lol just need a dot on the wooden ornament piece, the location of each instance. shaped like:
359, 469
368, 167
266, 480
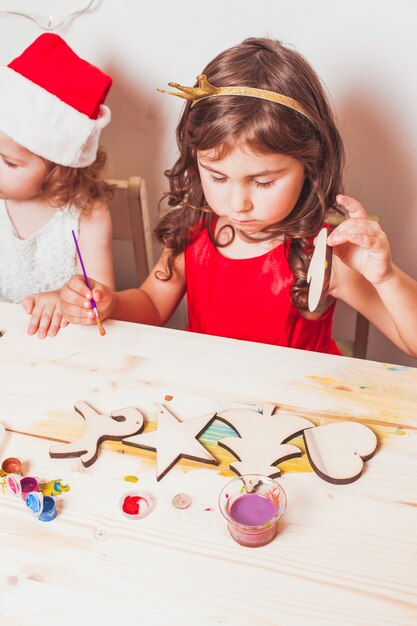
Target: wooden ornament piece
317, 270
99, 427
337, 451
173, 440
261, 443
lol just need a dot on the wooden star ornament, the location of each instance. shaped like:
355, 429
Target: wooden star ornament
174, 439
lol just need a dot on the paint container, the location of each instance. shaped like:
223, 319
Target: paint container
28, 484
13, 484
252, 505
136, 504
42, 507
19, 486
12, 465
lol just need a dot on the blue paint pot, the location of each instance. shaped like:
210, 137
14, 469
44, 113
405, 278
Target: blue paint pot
42, 507
49, 509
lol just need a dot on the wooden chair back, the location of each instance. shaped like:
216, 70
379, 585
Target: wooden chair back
356, 346
132, 240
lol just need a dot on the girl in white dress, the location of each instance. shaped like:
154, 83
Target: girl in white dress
51, 178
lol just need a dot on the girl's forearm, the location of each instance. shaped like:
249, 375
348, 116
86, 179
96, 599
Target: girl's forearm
399, 296
134, 305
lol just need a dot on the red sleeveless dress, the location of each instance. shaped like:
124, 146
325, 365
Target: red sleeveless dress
249, 299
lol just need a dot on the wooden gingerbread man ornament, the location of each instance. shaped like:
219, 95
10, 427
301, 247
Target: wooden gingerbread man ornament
99, 427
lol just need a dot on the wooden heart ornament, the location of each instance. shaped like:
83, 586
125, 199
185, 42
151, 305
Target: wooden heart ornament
337, 451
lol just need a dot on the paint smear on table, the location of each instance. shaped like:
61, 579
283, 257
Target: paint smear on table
386, 411
359, 398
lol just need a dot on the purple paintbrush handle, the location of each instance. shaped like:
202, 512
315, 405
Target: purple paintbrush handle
93, 304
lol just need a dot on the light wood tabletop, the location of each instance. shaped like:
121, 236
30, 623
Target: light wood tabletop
344, 554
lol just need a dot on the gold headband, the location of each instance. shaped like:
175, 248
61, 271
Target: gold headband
206, 90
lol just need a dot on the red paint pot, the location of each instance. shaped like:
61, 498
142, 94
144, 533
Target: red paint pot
135, 504
12, 465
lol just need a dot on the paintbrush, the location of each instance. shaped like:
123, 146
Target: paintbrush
93, 304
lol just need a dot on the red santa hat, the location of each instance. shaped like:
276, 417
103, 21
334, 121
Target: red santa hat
51, 102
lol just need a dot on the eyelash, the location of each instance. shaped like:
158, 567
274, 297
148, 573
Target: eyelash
8, 164
258, 185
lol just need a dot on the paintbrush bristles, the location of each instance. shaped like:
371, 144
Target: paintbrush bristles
100, 327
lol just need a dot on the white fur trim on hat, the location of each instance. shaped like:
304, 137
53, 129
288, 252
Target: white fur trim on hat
42, 123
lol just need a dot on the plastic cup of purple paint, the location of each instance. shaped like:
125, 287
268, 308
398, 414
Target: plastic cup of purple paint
252, 505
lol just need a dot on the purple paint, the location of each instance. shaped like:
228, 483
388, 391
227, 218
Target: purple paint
252, 510
252, 505
28, 484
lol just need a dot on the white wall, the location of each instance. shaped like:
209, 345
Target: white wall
364, 50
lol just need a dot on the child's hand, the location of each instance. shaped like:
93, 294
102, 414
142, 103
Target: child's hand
46, 313
361, 244
76, 300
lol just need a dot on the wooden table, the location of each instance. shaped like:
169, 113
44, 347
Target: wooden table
344, 555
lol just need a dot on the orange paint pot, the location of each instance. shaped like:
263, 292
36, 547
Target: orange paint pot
12, 465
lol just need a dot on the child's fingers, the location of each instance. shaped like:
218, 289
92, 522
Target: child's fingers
34, 321
74, 298
97, 294
77, 284
354, 207
363, 240
77, 314
28, 303
354, 226
44, 323
55, 324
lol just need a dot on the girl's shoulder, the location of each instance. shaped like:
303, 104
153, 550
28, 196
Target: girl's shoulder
97, 221
98, 212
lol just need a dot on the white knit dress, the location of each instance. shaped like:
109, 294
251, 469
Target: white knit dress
43, 262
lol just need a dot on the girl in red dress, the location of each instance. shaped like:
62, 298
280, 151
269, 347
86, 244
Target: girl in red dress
259, 168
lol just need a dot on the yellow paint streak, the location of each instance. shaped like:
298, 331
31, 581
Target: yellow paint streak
379, 405
147, 458
386, 410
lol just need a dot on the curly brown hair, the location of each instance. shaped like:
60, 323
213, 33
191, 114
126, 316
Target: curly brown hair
80, 186
220, 123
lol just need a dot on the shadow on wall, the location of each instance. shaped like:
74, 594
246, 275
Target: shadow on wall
136, 136
380, 173
137, 113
